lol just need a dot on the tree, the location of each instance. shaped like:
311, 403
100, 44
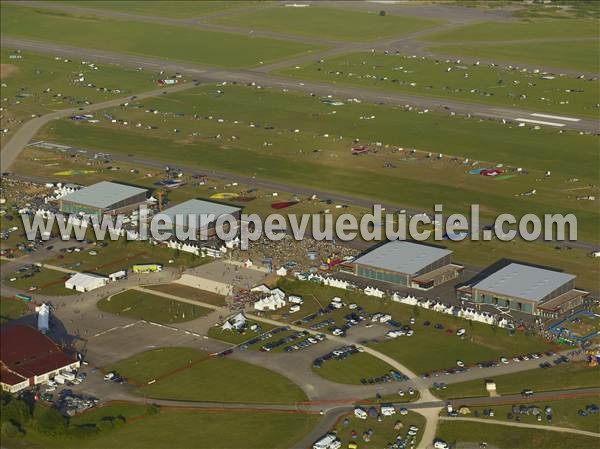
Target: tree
48, 420
15, 411
10, 430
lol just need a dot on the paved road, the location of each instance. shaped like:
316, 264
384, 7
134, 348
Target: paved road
211, 74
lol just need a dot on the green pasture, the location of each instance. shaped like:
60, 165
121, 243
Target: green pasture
167, 428
329, 23
458, 81
564, 413
509, 437
208, 137
209, 379
176, 43
565, 376
145, 306
515, 30
171, 8
575, 55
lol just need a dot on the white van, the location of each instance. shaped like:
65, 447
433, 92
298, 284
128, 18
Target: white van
388, 410
360, 413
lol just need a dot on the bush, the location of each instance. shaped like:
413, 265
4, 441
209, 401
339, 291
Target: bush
382, 13
48, 420
15, 411
83, 431
152, 409
9, 430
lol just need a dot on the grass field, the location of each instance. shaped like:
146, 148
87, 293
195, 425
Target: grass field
190, 375
506, 437
156, 363
144, 306
177, 43
352, 369
569, 376
190, 293
11, 309
45, 281
121, 254
478, 84
564, 413
384, 433
330, 23
482, 343
172, 8
36, 84
312, 157
181, 428
568, 54
519, 30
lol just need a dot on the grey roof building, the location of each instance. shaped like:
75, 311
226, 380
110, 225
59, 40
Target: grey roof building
528, 289
195, 214
103, 197
407, 264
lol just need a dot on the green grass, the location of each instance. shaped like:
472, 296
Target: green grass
568, 54
569, 376
182, 428
176, 43
144, 306
429, 77
292, 158
45, 281
172, 8
428, 349
122, 254
564, 413
11, 309
331, 23
352, 369
384, 433
506, 437
37, 84
155, 363
517, 30
212, 379
190, 293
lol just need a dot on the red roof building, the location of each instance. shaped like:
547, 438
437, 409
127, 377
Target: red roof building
28, 357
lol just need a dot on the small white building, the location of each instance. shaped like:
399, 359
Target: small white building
85, 282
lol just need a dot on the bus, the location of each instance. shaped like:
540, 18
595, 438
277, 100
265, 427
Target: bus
147, 268
22, 297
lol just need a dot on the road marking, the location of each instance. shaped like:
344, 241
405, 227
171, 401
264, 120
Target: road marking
556, 117
539, 122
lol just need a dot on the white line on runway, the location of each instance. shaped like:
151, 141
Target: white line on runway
556, 117
538, 122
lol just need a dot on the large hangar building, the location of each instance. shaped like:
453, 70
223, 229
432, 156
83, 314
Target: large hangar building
408, 264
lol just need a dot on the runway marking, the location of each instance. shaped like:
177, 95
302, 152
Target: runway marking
556, 117
539, 122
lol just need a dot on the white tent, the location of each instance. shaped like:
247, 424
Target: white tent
236, 322
85, 282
